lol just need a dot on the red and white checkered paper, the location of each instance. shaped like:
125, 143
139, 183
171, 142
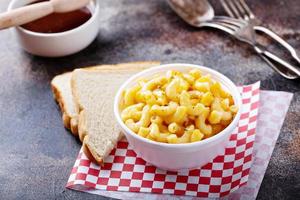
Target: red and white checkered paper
125, 171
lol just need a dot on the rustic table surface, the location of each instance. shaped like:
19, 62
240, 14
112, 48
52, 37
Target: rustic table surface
37, 153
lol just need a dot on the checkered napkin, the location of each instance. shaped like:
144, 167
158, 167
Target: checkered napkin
124, 171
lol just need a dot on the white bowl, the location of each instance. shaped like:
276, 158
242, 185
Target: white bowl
58, 44
177, 157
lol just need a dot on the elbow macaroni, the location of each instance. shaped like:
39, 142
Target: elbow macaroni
132, 112
178, 107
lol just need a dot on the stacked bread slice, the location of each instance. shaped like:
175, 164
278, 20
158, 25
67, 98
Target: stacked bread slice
86, 98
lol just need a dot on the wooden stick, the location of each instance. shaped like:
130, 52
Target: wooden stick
25, 14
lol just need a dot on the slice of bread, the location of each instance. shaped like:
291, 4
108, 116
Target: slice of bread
94, 92
61, 88
96, 117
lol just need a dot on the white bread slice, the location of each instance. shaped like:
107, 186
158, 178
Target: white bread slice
61, 87
93, 91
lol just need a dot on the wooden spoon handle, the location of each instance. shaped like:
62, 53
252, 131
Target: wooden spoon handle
25, 14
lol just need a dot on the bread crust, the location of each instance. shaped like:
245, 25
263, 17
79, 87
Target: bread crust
89, 155
82, 126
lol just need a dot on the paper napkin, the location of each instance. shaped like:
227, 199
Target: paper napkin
240, 165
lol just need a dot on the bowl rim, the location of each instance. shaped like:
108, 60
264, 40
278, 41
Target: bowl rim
79, 28
164, 67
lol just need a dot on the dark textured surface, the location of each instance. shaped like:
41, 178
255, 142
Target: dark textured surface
37, 153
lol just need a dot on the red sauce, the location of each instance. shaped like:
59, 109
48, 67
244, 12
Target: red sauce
59, 22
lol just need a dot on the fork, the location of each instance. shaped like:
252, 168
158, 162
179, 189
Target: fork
243, 31
240, 10
238, 28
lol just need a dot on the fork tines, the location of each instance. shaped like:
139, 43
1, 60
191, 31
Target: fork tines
237, 9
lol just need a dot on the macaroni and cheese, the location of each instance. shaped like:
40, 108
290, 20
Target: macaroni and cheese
177, 107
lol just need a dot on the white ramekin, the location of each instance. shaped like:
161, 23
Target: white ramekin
58, 44
177, 157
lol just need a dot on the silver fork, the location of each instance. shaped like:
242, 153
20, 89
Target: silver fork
240, 10
189, 11
243, 30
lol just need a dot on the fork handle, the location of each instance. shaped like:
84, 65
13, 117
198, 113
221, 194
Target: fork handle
278, 39
279, 65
